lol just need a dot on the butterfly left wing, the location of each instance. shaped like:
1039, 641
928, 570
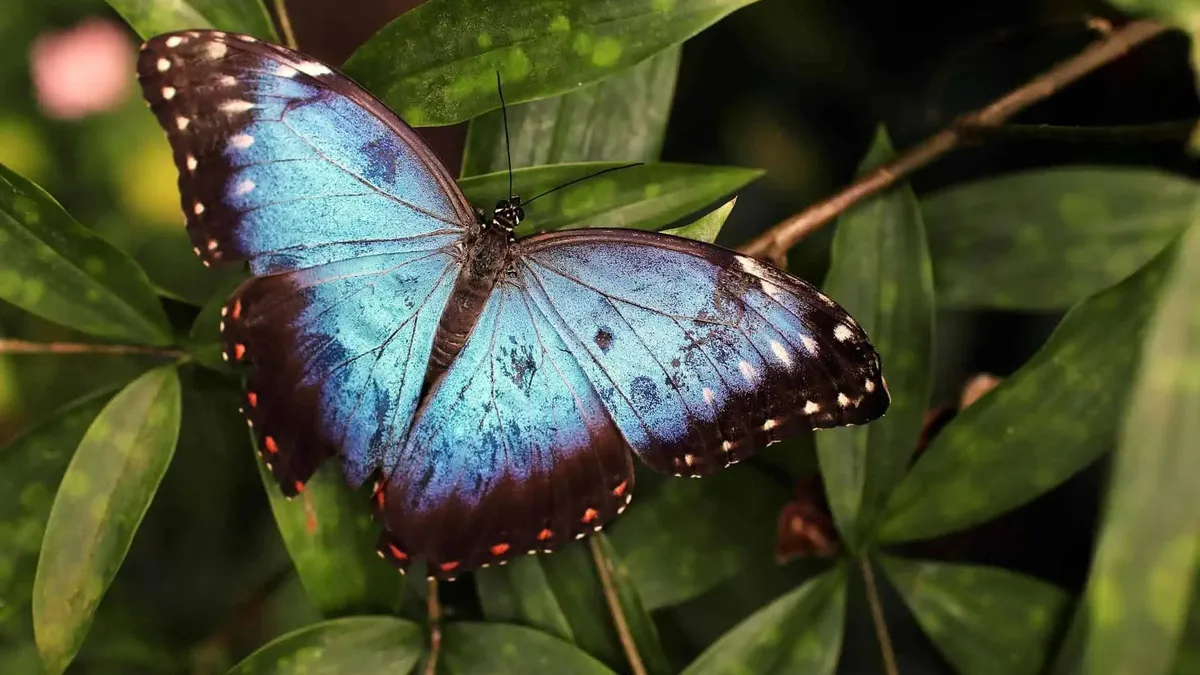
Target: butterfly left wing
512, 453
700, 355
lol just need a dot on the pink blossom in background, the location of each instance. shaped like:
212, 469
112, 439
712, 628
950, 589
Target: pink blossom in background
82, 70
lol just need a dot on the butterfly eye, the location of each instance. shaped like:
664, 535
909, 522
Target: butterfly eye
520, 214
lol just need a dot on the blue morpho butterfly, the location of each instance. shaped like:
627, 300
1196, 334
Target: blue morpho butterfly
493, 387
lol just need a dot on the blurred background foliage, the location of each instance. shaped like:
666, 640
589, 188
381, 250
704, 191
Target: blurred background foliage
796, 88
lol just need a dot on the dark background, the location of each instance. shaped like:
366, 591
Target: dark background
796, 87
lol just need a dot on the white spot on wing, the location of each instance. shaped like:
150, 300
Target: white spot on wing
212, 245
726, 446
809, 344
244, 187
163, 65
769, 425
842, 332
751, 266
285, 70
245, 38
235, 106
182, 123
747, 371
869, 386
811, 407
227, 80
781, 353
174, 41
689, 459
772, 290
216, 50
192, 163
198, 208
242, 141
313, 68
709, 396
843, 400
168, 93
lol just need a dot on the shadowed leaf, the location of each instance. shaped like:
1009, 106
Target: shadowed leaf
985, 620
497, 649
996, 455
1049, 238
881, 274
104, 494
55, 268
204, 340
362, 644
799, 634
152, 17
437, 63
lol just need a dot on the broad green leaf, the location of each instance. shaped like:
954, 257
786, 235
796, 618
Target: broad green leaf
690, 535
621, 119
1052, 418
331, 537
984, 620
498, 649
798, 634
361, 644
520, 593
153, 17
31, 468
1187, 661
437, 63
880, 272
637, 620
706, 227
204, 341
55, 268
645, 197
103, 496
1146, 557
1049, 238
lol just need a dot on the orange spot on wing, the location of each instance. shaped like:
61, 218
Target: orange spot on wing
620, 489
299, 486
589, 515
269, 442
397, 553
545, 534
499, 549
253, 399
237, 308
379, 498
239, 350
447, 566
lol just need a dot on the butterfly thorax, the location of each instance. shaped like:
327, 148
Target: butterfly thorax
486, 252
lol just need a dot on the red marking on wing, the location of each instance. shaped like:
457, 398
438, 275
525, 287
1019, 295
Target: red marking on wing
237, 308
545, 534
239, 350
447, 566
269, 442
253, 399
397, 553
620, 489
499, 549
589, 515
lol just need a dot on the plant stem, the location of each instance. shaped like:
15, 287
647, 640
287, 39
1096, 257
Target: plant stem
26, 347
434, 611
285, 24
881, 631
1174, 131
775, 242
614, 607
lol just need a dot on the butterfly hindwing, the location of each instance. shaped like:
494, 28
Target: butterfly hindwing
288, 164
700, 355
513, 452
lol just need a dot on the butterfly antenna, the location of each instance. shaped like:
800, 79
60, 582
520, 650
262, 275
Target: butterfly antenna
507, 144
580, 180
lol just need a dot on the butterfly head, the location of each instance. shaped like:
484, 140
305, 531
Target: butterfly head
508, 214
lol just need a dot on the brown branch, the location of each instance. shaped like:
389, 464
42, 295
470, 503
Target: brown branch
434, 611
774, 243
881, 630
26, 347
285, 24
614, 607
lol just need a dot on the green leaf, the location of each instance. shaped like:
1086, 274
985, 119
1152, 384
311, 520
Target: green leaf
638, 622
497, 649
1049, 238
31, 468
645, 197
363, 644
331, 537
1187, 661
707, 227
881, 274
104, 494
1052, 418
55, 268
1146, 558
984, 620
798, 634
204, 341
691, 535
437, 63
621, 119
520, 593
153, 17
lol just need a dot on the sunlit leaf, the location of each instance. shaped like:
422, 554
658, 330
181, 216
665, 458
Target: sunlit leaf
985, 620
798, 634
881, 274
54, 267
645, 197
152, 17
1048, 238
620, 119
707, 227
437, 63
103, 496
1141, 583
1052, 418
361, 644
498, 649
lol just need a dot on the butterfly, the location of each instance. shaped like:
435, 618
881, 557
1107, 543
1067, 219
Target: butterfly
494, 388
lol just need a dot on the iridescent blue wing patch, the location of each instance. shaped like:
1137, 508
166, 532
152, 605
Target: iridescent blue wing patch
513, 453
700, 355
288, 164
